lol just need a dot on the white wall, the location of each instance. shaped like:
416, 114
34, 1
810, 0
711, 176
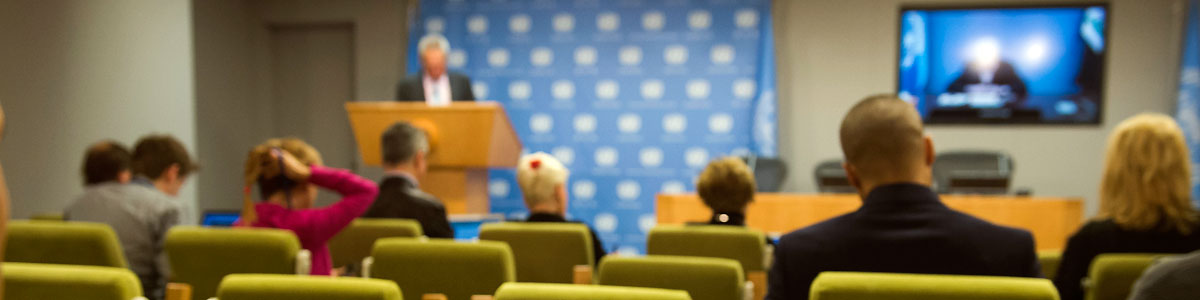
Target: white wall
234, 89
75, 72
833, 53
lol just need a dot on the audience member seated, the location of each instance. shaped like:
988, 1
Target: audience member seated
161, 162
727, 186
140, 214
543, 181
1173, 278
404, 150
1145, 201
902, 226
287, 173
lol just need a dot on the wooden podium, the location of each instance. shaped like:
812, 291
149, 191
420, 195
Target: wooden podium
465, 140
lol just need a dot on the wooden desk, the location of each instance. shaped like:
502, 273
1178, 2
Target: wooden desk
1052, 220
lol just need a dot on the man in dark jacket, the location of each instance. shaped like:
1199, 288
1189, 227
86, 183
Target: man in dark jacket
435, 85
902, 226
404, 148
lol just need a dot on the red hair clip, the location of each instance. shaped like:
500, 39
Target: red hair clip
535, 164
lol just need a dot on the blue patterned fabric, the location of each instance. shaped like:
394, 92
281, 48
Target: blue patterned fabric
634, 96
1188, 113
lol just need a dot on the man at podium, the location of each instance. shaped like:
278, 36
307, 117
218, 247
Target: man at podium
434, 84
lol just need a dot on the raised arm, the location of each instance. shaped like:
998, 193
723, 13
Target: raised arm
357, 195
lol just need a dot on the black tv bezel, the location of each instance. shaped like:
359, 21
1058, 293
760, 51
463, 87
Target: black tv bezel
1101, 105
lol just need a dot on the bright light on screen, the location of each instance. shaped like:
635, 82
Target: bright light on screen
1004, 64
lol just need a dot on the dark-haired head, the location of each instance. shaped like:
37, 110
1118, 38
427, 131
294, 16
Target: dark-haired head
106, 161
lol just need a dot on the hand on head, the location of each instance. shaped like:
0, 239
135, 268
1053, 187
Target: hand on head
292, 167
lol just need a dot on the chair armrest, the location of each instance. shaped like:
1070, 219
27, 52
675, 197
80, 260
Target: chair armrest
303, 262
367, 263
433, 297
759, 287
179, 291
748, 290
583, 274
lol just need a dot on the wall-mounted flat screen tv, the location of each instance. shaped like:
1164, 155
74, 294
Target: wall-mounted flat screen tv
1004, 65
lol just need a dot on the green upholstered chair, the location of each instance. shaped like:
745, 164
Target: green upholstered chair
1111, 276
56, 216
50, 281
297, 287
892, 286
544, 252
354, 243
71, 243
744, 245
1049, 259
201, 256
702, 277
554, 291
439, 266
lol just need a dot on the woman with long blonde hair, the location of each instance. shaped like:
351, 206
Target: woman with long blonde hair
287, 173
1145, 200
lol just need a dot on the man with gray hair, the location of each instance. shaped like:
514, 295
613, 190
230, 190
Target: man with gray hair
434, 84
404, 160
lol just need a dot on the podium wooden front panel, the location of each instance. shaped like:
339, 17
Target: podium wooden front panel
1051, 220
465, 140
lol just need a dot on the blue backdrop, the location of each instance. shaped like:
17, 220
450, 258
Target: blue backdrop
634, 96
1188, 112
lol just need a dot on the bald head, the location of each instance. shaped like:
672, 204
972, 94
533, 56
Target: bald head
884, 141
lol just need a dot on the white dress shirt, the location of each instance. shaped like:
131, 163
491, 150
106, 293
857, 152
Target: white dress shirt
437, 91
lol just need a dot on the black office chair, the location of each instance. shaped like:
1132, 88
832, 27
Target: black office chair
973, 172
769, 172
831, 178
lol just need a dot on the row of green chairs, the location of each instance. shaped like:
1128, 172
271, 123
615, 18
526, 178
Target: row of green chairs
539, 252
271, 287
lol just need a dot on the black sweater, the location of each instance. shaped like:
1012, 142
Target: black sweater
1104, 236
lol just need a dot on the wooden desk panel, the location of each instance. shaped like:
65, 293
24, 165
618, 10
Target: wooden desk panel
1052, 220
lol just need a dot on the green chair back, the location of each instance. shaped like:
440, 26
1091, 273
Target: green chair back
704, 278
70, 243
893, 286
1049, 259
354, 243
201, 256
544, 252
47, 281
1111, 276
300, 287
737, 243
58, 216
553, 291
437, 266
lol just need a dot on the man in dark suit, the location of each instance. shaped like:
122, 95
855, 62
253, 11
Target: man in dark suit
404, 148
434, 84
902, 226
998, 73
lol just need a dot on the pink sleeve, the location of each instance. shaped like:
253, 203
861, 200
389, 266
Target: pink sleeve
357, 195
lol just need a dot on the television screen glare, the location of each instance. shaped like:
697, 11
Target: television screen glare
1007, 65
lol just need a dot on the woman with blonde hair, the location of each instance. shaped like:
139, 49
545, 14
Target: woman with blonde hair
1145, 200
287, 173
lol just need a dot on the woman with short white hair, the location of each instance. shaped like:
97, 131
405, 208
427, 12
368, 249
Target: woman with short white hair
543, 181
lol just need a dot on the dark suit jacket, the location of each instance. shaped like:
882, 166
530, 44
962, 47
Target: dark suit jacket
900, 228
399, 197
1005, 75
597, 248
1105, 236
412, 88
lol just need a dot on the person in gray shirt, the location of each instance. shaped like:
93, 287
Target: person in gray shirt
139, 213
1170, 278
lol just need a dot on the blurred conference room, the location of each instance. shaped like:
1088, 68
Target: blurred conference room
586, 149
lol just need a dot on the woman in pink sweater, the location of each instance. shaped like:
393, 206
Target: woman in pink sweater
287, 173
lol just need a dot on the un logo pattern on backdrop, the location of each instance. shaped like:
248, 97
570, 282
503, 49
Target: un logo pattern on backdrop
635, 97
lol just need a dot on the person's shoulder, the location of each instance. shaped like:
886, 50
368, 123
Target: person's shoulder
987, 230
816, 233
458, 76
